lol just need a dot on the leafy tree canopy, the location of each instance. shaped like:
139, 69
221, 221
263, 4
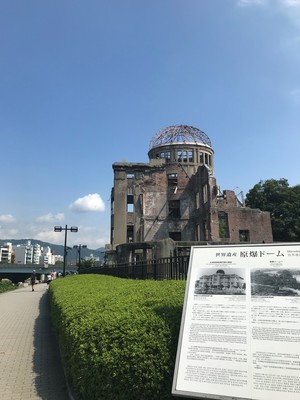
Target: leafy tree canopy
87, 263
283, 202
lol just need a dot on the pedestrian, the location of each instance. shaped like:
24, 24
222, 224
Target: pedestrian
48, 279
32, 280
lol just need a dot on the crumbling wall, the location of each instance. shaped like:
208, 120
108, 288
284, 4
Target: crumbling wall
253, 223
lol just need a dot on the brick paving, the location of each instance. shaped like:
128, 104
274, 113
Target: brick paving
30, 365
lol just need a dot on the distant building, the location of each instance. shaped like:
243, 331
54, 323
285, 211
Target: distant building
23, 253
57, 258
47, 258
37, 253
95, 260
6, 253
26, 253
163, 207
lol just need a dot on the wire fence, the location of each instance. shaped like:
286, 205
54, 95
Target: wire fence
175, 268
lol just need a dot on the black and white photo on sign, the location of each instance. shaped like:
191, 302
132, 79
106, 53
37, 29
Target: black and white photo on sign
220, 281
275, 282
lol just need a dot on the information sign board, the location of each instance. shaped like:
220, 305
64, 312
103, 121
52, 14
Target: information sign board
240, 328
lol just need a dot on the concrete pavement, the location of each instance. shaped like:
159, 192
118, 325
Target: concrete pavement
30, 365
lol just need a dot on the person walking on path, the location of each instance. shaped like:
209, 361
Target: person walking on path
30, 362
49, 279
32, 280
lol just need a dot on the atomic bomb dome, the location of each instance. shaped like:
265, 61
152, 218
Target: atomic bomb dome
162, 207
180, 134
185, 145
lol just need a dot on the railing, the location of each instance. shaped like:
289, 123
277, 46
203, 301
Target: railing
164, 268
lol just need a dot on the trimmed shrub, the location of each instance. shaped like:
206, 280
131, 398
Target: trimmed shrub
118, 337
6, 285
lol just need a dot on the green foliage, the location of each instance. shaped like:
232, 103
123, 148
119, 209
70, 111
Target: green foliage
283, 202
85, 264
223, 228
118, 337
6, 285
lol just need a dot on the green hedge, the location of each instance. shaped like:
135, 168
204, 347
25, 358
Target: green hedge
118, 337
6, 285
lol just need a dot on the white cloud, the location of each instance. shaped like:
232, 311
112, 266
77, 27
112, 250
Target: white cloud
295, 96
92, 237
289, 3
288, 8
50, 236
8, 233
7, 218
88, 203
245, 3
51, 217
295, 92
292, 9
282, 3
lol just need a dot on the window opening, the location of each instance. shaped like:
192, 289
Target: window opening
175, 236
223, 225
130, 208
244, 235
197, 200
174, 208
172, 179
205, 193
197, 232
129, 233
166, 155
204, 229
130, 205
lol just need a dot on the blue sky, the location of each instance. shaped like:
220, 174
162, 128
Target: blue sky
85, 84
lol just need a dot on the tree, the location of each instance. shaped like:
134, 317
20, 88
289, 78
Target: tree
283, 202
87, 263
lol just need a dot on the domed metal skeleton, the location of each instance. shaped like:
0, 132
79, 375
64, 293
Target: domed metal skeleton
180, 134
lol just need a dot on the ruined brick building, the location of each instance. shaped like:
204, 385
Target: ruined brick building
163, 207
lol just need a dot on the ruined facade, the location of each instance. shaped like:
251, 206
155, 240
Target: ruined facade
220, 280
163, 207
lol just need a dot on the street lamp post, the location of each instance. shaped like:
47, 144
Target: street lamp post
79, 247
66, 229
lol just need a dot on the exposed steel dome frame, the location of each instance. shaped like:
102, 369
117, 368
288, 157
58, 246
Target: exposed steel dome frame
180, 134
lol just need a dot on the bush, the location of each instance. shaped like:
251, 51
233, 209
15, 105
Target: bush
118, 337
6, 285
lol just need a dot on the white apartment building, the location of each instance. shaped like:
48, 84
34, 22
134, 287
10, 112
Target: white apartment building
28, 254
37, 253
47, 258
32, 254
23, 253
57, 258
6, 252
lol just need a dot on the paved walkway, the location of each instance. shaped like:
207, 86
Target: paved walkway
30, 366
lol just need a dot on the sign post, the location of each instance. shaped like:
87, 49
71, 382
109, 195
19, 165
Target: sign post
240, 328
